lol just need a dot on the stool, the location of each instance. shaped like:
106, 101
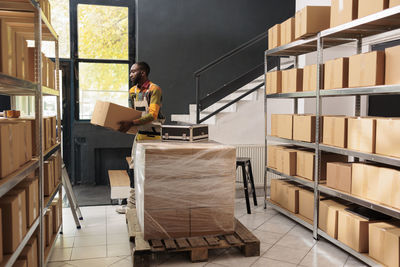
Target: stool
247, 177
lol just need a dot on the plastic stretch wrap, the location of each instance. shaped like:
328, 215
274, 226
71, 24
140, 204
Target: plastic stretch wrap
184, 189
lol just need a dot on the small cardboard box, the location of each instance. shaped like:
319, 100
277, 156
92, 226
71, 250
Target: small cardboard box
310, 78
13, 208
286, 161
353, 231
166, 223
338, 176
56, 215
47, 132
367, 69
48, 182
53, 130
336, 73
30, 253
393, 3
272, 156
365, 180
384, 243
212, 221
12, 153
30, 71
45, 75
275, 190
109, 115
304, 127
343, 11
21, 56
291, 199
274, 36
287, 31
306, 204
48, 231
8, 59
31, 188
392, 57
282, 125
335, 131
51, 73
387, 137
368, 7
387, 190
311, 20
292, 80
361, 134
274, 82
328, 216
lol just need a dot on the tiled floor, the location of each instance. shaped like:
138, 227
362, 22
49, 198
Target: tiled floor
103, 241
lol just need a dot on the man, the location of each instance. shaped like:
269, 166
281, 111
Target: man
146, 97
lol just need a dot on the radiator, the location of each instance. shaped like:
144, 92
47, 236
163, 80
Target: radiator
256, 153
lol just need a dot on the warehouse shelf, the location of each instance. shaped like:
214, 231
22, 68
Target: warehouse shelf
8, 182
296, 179
298, 218
50, 92
9, 259
15, 86
371, 90
309, 94
47, 200
291, 142
49, 152
361, 256
50, 248
360, 201
367, 156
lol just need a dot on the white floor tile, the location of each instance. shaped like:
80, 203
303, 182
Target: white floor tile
292, 241
61, 254
264, 247
325, 254
113, 239
118, 250
64, 242
254, 220
59, 264
234, 258
265, 262
89, 252
91, 230
267, 237
353, 262
99, 262
89, 241
280, 228
122, 263
290, 255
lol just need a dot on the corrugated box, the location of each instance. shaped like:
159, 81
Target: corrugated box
304, 127
328, 216
109, 115
272, 155
291, 198
56, 215
335, 131
212, 221
384, 243
8, 59
166, 223
368, 7
343, 11
30, 253
336, 73
393, 3
392, 58
387, 137
276, 193
47, 133
48, 181
48, 231
365, 180
292, 80
21, 55
310, 78
353, 231
367, 69
287, 31
286, 161
13, 208
282, 125
45, 75
31, 188
306, 204
51, 73
274, 36
339, 176
311, 20
361, 134
387, 190
30, 51
53, 130
274, 82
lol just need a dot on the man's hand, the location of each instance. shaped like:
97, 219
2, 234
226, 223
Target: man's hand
125, 126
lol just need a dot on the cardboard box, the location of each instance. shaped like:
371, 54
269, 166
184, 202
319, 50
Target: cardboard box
384, 243
166, 223
13, 208
53, 130
212, 221
51, 73
328, 216
119, 184
11, 142
367, 69
292, 80
55, 207
365, 180
287, 31
310, 78
335, 131
20, 263
47, 133
387, 190
311, 20
275, 190
387, 138
392, 57
306, 204
30, 72
286, 161
361, 134
304, 127
272, 155
8, 59
339, 176
48, 182
282, 125
45, 81
31, 188
393, 3
109, 115
48, 231
274, 36
290, 196
353, 231
343, 11
30, 253
336, 73
368, 7
21, 56
274, 82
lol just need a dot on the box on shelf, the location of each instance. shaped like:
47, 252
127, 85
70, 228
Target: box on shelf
384, 243
338, 176
8, 59
361, 134
109, 115
287, 31
56, 215
286, 161
51, 73
311, 20
292, 80
31, 188
285, 194
387, 138
389, 182
306, 204
328, 216
30, 253
53, 130
11, 141
368, 7
48, 227
367, 69
274, 82
335, 131
48, 181
21, 56
343, 11
282, 125
274, 36
393, 3
336, 73
13, 208
304, 127
392, 57
45, 75
310, 78
30, 71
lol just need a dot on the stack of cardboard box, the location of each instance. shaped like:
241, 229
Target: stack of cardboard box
186, 189
52, 173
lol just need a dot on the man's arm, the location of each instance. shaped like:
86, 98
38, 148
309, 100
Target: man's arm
154, 108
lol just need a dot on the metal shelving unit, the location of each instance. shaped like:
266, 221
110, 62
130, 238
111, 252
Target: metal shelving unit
11, 86
296, 179
379, 26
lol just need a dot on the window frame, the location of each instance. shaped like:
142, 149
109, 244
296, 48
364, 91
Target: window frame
75, 60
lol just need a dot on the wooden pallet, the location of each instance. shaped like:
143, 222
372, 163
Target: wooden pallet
198, 247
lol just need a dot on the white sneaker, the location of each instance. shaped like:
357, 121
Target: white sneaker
121, 209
